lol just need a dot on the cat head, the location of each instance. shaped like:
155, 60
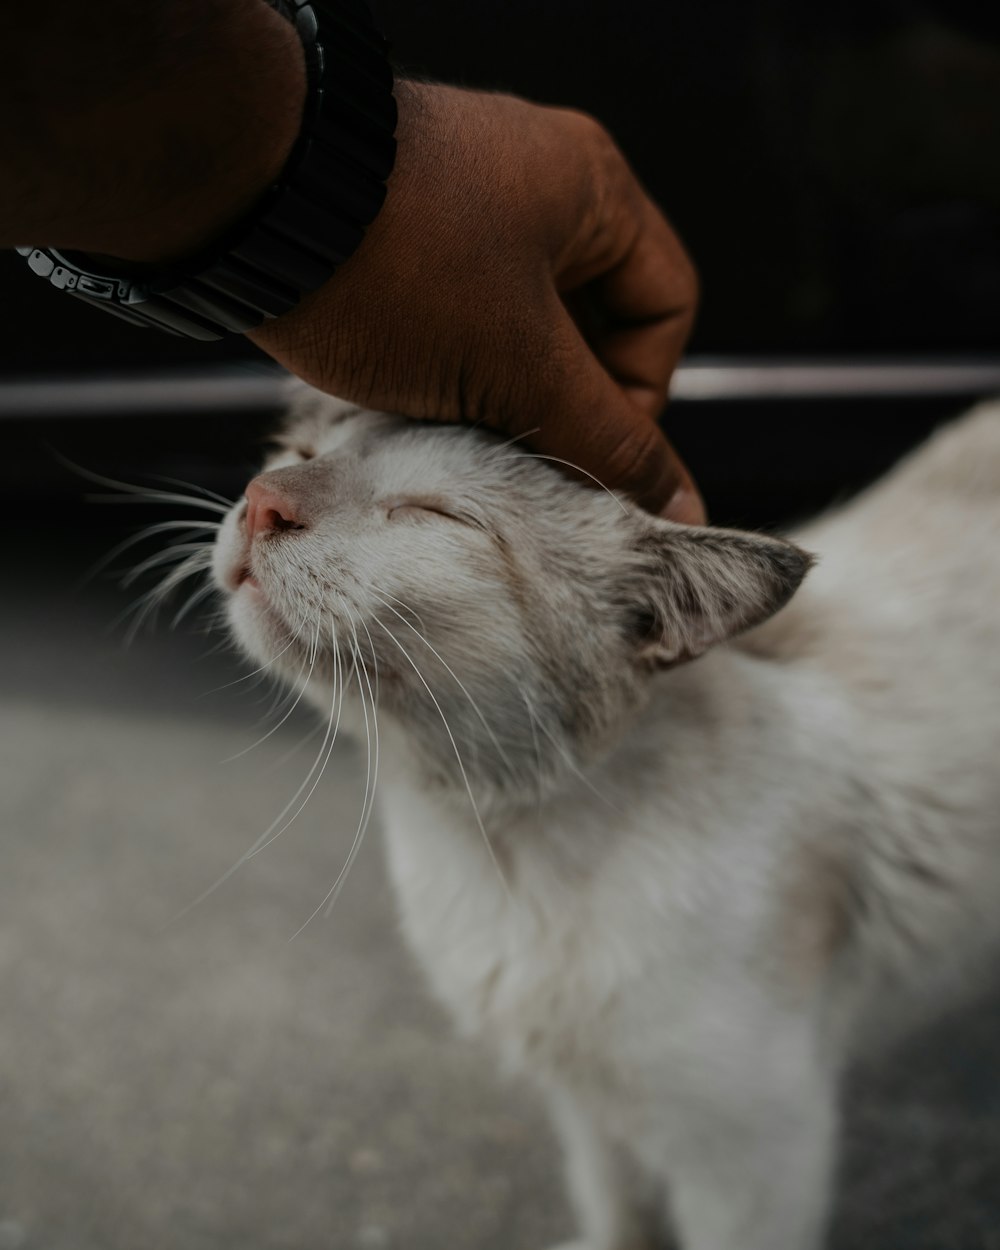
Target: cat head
497, 610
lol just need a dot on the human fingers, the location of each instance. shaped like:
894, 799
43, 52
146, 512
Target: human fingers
582, 418
647, 304
637, 312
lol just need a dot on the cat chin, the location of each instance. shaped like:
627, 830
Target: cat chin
257, 627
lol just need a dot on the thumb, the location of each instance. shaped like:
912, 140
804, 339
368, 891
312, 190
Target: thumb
583, 418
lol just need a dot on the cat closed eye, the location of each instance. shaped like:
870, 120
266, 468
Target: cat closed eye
279, 447
402, 508
282, 456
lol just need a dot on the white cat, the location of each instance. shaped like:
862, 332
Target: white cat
680, 896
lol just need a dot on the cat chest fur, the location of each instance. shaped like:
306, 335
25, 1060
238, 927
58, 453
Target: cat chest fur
591, 978
520, 964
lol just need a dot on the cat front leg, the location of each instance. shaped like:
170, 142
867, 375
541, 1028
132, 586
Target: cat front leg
749, 1163
615, 1209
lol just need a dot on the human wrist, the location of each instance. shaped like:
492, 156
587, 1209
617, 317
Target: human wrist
236, 133
306, 219
155, 169
430, 145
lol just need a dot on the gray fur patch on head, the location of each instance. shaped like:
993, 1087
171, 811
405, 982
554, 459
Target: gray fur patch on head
310, 414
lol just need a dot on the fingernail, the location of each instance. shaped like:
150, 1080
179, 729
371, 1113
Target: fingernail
685, 505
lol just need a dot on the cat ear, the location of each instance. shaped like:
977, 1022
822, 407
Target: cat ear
698, 586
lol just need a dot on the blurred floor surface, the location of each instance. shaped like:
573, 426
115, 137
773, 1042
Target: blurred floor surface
207, 1084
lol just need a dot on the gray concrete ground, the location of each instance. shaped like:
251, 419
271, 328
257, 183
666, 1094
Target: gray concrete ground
209, 1084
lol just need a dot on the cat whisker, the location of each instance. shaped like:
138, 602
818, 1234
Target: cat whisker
302, 689
202, 490
536, 455
221, 644
149, 531
405, 606
454, 747
146, 605
284, 691
368, 804
533, 725
196, 561
191, 602
501, 447
338, 674
131, 492
329, 742
254, 672
567, 758
371, 778
281, 695
315, 648
261, 676
164, 556
458, 681
276, 827
159, 497
293, 750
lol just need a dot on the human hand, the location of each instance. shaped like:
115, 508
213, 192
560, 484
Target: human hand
519, 276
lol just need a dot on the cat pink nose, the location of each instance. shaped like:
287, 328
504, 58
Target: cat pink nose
268, 509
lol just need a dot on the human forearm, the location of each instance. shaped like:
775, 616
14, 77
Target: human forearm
140, 130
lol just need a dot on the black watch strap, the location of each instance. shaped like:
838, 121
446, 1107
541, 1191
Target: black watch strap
304, 226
